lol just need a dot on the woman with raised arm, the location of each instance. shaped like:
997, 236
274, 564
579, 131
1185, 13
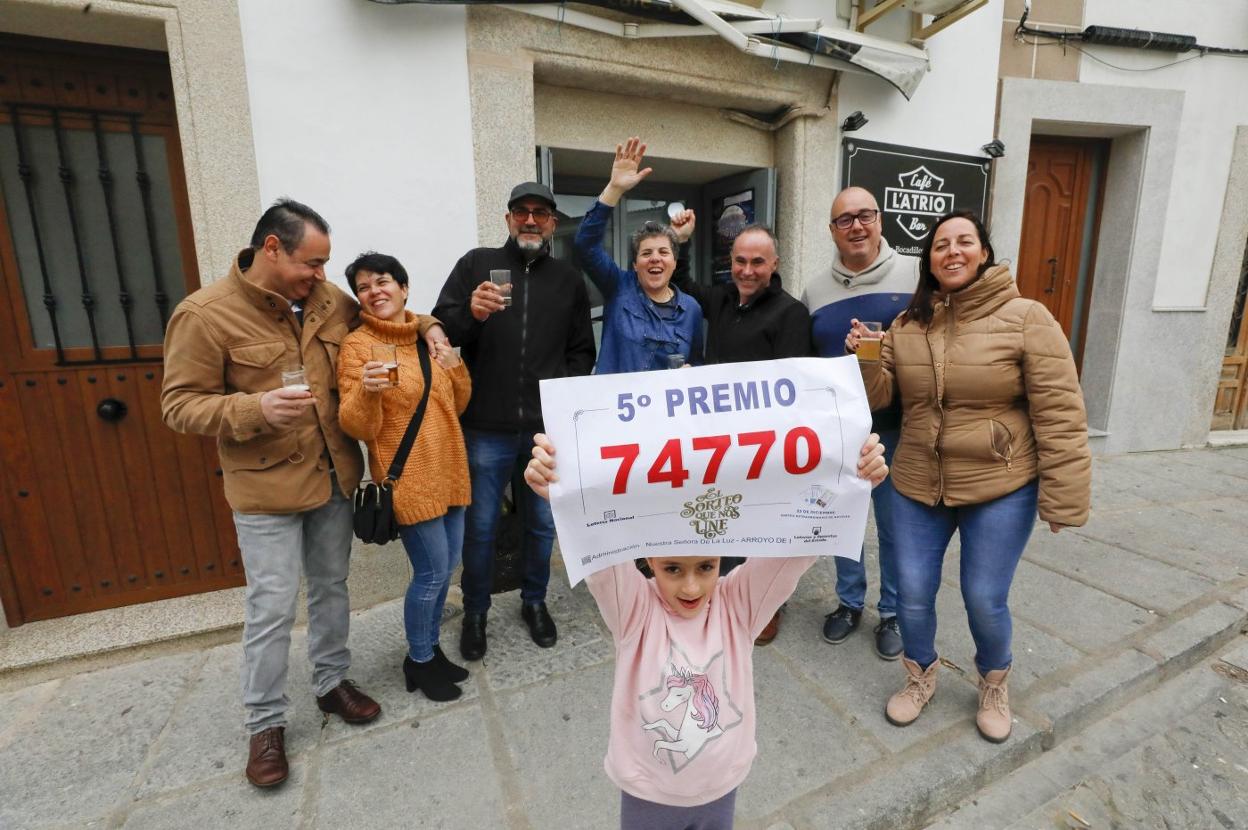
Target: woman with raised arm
647, 320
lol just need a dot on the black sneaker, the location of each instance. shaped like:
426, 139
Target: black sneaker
888, 639
842, 622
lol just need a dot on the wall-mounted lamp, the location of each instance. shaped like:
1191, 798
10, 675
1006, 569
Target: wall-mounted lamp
994, 149
855, 121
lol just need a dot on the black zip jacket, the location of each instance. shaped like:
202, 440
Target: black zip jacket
773, 325
545, 333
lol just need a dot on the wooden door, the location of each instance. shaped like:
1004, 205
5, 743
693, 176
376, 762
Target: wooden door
1230, 404
1060, 216
102, 505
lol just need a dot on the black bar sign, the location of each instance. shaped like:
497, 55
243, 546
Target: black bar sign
914, 186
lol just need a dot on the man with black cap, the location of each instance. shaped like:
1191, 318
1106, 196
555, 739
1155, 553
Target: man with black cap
544, 331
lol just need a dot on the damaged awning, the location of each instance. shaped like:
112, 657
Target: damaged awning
756, 32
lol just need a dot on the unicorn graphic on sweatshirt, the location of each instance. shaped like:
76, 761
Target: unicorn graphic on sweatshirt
701, 720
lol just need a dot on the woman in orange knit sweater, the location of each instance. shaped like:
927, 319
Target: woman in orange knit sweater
430, 495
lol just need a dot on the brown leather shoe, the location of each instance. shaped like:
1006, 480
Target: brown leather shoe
266, 758
349, 703
770, 631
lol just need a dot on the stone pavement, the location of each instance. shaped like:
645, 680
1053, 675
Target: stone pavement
1176, 757
1104, 616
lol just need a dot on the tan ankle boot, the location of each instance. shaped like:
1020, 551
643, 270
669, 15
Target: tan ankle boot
904, 707
993, 719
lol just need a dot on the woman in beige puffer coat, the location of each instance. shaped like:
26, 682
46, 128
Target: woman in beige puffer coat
993, 429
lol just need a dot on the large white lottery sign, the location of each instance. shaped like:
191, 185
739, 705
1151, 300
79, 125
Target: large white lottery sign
740, 459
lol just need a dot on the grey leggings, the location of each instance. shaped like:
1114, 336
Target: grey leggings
637, 814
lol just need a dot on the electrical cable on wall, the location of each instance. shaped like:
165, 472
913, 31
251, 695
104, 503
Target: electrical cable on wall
1124, 38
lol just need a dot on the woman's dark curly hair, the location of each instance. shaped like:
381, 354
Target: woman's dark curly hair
920, 308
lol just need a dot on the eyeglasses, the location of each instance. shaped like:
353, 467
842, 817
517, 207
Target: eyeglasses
865, 217
541, 215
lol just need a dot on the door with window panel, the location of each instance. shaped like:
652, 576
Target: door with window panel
102, 505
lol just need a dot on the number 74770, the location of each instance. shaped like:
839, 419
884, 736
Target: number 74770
669, 464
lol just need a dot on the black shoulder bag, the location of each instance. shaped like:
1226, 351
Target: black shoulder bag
375, 522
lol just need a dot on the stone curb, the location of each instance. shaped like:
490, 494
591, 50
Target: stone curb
1092, 694
968, 763
910, 791
1181, 645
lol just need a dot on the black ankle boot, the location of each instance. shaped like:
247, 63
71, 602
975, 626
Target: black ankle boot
427, 678
472, 637
452, 672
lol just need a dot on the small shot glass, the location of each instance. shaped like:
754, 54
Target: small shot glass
501, 277
675, 361
387, 354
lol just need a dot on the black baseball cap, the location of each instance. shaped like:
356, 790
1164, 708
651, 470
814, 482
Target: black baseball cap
535, 190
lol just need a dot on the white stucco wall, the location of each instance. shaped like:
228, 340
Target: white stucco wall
954, 109
1214, 106
361, 110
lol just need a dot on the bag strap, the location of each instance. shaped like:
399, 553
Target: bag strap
409, 437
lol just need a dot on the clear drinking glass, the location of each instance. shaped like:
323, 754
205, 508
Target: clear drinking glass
502, 278
387, 354
869, 345
294, 378
675, 361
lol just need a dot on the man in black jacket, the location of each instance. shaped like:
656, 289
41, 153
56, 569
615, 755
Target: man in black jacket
543, 332
751, 318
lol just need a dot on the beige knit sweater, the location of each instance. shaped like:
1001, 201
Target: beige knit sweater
436, 474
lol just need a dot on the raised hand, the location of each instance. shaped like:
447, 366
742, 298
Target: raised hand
626, 171
683, 223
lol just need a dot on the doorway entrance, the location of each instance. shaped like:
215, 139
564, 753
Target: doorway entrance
1061, 219
102, 505
1230, 404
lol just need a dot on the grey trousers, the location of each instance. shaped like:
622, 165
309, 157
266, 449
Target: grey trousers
638, 814
276, 550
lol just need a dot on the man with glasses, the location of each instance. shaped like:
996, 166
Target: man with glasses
544, 332
868, 281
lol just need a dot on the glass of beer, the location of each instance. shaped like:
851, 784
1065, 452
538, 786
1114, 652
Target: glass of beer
387, 354
869, 344
294, 378
501, 277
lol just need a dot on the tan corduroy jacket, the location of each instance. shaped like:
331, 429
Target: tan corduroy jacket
435, 476
225, 346
990, 400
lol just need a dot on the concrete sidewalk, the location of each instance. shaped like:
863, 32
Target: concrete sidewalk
1157, 581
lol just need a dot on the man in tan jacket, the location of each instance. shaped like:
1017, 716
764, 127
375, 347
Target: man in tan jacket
289, 469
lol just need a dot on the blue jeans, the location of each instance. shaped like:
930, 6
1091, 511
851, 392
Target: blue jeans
993, 536
434, 548
851, 576
493, 458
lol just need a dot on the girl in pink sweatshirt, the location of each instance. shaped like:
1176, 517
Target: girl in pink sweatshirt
682, 706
